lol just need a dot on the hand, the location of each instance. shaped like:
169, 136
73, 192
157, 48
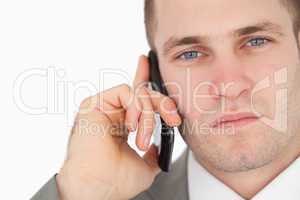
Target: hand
100, 164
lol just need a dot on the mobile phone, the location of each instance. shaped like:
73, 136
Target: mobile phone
167, 132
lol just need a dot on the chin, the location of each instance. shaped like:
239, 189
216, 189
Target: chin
247, 149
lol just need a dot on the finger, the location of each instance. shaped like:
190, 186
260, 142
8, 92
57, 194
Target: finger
146, 122
111, 105
115, 101
161, 103
142, 72
166, 107
133, 113
141, 77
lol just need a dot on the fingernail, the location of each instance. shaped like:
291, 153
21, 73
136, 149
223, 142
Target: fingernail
177, 119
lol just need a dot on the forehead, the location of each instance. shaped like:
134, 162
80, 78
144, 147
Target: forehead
215, 18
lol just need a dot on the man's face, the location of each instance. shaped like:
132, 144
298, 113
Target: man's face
224, 50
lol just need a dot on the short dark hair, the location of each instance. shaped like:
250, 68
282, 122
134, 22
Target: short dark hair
150, 20
293, 7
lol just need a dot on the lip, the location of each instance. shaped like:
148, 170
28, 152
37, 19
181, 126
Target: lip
237, 119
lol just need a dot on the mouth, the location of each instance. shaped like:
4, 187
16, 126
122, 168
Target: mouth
235, 120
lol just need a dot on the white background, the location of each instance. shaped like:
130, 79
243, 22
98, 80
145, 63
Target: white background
74, 39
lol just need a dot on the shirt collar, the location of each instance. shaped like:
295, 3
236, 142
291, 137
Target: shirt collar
202, 185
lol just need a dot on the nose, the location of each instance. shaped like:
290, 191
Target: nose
231, 81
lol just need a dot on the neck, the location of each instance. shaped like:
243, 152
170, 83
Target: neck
249, 183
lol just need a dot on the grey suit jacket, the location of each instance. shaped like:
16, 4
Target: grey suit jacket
166, 186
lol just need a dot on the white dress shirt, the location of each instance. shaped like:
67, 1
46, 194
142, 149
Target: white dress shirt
204, 186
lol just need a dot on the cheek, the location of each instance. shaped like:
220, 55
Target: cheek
272, 62
264, 101
191, 91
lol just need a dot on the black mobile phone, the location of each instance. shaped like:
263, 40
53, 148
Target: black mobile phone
167, 132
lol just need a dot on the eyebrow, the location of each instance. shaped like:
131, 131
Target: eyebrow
259, 27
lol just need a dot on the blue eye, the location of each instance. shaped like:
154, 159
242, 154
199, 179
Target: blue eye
189, 55
257, 42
